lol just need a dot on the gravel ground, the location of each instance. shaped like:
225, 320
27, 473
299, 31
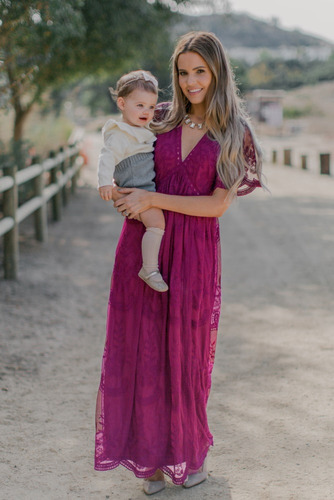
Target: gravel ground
271, 404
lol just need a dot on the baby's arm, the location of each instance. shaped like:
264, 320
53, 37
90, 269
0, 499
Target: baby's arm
106, 165
106, 193
111, 192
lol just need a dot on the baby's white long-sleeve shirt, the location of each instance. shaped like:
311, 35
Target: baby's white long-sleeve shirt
121, 140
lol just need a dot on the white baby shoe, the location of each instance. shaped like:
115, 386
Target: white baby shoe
154, 280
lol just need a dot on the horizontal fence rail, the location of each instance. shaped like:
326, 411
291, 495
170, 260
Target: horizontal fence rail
53, 180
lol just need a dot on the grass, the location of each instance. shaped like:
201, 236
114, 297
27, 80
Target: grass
42, 133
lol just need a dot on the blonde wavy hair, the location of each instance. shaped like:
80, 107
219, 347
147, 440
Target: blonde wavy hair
225, 117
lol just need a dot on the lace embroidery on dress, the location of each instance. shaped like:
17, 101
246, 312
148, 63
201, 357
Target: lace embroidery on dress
215, 311
251, 180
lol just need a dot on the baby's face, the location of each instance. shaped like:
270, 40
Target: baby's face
138, 107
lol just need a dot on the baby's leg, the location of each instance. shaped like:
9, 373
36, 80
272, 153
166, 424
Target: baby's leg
154, 221
153, 217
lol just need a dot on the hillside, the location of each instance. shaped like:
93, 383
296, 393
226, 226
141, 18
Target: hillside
253, 36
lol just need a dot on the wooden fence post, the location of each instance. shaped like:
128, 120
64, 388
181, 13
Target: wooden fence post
74, 180
63, 168
274, 157
325, 164
304, 162
56, 200
287, 157
40, 215
11, 238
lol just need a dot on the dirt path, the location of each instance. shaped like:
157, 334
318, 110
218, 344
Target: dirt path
271, 405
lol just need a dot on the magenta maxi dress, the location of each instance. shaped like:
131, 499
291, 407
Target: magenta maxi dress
160, 347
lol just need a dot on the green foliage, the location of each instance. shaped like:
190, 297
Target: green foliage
39, 40
121, 30
324, 71
47, 43
279, 74
240, 70
293, 112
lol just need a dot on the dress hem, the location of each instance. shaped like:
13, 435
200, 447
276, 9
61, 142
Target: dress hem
129, 464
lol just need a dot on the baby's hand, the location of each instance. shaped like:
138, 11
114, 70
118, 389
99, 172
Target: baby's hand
106, 192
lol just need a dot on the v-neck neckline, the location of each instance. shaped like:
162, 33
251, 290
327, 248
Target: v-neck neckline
183, 160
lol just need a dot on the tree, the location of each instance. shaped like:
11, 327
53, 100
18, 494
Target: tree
44, 43
38, 40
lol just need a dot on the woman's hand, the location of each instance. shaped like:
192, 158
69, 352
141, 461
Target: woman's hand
116, 195
135, 201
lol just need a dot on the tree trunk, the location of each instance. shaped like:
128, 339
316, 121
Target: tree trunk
18, 148
21, 112
19, 122
21, 115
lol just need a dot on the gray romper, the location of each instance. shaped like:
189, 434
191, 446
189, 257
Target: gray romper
136, 171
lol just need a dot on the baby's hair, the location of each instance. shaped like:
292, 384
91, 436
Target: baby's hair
139, 79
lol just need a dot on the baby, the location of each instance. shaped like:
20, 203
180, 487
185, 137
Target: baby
127, 158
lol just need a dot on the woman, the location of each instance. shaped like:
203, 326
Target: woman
159, 352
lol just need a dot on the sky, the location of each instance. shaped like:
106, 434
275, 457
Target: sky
314, 17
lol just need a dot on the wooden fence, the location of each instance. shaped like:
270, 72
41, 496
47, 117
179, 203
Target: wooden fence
54, 179
324, 161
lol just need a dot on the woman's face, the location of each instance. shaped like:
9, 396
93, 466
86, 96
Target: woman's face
195, 77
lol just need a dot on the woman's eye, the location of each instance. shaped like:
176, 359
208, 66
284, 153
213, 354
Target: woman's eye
182, 73
200, 71
139, 105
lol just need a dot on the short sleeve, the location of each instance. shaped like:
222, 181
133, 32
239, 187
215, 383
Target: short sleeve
251, 179
218, 183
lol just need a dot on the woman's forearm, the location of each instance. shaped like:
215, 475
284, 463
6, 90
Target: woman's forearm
136, 201
201, 206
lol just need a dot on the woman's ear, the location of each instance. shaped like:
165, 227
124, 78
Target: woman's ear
120, 103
